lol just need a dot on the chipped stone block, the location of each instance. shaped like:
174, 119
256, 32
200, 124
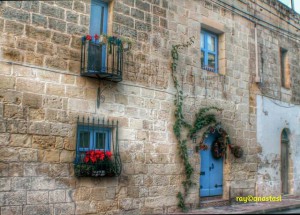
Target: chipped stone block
16, 169
39, 20
42, 183
38, 33
28, 155
56, 63
11, 210
64, 208
7, 82
37, 197
51, 155
67, 156
20, 183
5, 68
5, 184
14, 28
57, 196
3, 169
52, 11
9, 154
4, 139
37, 209
25, 85
13, 198
59, 170
32, 100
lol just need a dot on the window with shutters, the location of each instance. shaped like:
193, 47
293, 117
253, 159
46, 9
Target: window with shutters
209, 51
97, 148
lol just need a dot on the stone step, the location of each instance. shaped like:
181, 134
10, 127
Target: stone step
213, 202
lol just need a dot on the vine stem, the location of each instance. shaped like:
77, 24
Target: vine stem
202, 119
178, 125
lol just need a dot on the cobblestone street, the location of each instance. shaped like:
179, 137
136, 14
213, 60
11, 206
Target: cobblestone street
288, 202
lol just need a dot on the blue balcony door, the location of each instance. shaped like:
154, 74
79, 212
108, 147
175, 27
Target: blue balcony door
211, 170
98, 25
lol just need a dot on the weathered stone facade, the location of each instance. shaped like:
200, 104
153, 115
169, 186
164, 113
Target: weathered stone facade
42, 94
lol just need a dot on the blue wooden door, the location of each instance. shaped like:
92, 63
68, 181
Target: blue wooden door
211, 170
98, 25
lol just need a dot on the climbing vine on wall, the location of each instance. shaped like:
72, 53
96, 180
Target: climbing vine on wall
203, 118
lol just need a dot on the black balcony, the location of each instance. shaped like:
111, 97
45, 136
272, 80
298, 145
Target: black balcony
102, 60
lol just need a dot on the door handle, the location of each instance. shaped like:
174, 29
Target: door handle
212, 166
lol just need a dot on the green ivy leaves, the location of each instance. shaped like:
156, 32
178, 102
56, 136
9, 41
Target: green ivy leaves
203, 119
179, 123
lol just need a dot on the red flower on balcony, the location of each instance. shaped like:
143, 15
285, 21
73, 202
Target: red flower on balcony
97, 156
108, 154
88, 37
96, 36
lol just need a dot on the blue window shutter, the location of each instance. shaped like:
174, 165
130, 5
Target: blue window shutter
98, 20
92, 137
98, 25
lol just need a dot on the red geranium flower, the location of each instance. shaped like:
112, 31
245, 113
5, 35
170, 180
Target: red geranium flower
88, 37
86, 159
102, 156
96, 36
108, 154
95, 155
93, 159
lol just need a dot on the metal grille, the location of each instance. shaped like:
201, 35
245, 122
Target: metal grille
97, 148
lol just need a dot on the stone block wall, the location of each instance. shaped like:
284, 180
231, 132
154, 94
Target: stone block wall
39, 110
46, 34
42, 94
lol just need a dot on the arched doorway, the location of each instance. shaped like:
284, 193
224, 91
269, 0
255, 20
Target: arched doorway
284, 161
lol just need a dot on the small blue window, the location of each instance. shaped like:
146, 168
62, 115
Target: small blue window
93, 138
209, 51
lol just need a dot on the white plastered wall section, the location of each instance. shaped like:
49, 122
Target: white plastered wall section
272, 117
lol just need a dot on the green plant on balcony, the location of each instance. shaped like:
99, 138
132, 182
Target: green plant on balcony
122, 42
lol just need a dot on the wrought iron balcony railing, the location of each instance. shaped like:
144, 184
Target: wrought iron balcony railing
102, 60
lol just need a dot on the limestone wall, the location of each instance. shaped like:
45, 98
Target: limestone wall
42, 94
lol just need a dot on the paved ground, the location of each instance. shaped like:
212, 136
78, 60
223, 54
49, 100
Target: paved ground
288, 202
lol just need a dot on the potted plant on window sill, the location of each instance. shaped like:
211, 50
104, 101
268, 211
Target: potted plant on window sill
96, 163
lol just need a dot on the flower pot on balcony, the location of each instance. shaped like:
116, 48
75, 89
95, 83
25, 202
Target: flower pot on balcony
103, 39
126, 45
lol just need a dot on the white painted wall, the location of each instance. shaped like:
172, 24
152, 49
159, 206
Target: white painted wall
272, 117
